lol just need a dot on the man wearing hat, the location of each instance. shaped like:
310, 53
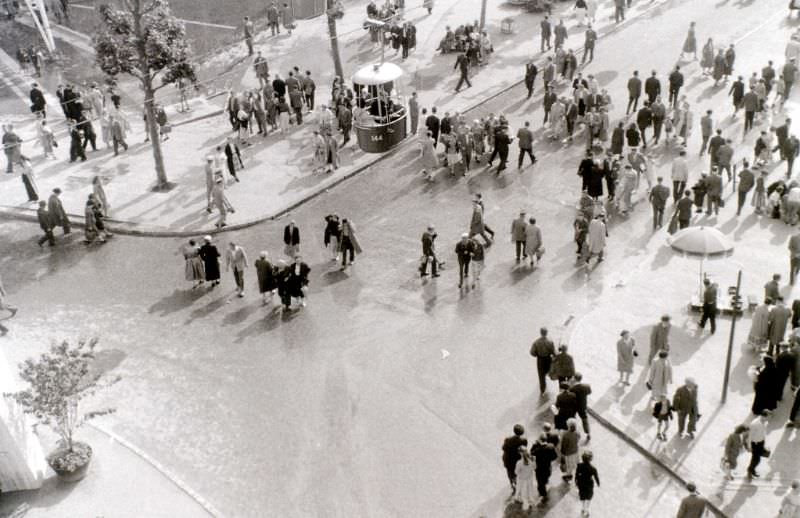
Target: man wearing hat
518, 234
57, 213
685, 404
464, 254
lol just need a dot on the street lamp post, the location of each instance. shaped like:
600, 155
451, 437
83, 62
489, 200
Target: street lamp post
483, 13
737, 306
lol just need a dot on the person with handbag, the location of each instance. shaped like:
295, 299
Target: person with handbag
734, 444
662, 411
758, 436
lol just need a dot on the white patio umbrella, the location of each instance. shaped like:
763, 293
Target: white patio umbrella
702, 242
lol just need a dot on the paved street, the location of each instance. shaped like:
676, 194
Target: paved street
347, 407
278, 170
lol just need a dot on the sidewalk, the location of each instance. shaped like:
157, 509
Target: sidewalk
119, 483
277, 173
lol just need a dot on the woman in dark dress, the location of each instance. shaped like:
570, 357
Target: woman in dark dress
297, 280
766, 387
210, 256
585, 478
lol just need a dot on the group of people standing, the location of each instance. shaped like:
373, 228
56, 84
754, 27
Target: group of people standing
289, 279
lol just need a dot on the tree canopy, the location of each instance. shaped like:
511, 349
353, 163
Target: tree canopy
145, 40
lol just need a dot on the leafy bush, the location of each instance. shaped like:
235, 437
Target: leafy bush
57, 381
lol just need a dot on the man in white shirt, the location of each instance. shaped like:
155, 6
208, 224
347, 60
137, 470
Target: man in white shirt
758, 435
235, 257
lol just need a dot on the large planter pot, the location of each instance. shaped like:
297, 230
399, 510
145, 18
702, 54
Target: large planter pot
71, 465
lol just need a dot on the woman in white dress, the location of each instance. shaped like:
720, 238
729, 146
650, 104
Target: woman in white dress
46, 139
525, 478
430, 162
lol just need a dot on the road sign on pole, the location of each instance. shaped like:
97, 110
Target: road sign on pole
737, 306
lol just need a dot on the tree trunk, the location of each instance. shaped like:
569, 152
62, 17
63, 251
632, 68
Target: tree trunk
153, 131
149, 96
337, 60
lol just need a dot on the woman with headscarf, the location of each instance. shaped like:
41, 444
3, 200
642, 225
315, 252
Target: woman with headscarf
210, 256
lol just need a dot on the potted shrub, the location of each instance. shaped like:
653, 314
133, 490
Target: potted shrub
57, 382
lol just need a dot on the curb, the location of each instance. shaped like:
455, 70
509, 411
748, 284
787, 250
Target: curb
649, 455
128, 228
210, 509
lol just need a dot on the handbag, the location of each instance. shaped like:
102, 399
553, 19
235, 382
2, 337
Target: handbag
539, 252
166, 128
766, 453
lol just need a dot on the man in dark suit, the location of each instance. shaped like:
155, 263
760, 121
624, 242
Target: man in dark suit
462, 64
543, 350
634, 91
684, 208
652, 87
530, 76
582, 391
644, 119
231, 154
545, 454
46, 224
675, 83
794, 257
38, 103
432, 123
511, 454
